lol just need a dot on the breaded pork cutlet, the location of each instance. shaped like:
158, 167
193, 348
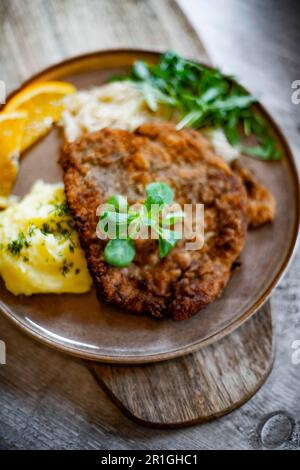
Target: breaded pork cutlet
261, 204
110, 162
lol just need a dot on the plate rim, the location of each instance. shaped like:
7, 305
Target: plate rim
236, 323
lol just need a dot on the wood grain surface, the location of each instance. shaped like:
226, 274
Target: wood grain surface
42, 405
197, 387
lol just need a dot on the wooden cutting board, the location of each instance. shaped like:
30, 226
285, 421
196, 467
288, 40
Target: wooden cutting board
197, 387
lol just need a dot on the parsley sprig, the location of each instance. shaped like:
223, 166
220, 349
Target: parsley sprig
204, 97
128, 222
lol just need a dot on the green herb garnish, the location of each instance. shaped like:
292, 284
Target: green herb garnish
119, 253
204, 97
45, 229
61, 209
119, 202
66, 267
158, 193
62, 231
71, 248
127, 223
16, 246
31, 230
167, 241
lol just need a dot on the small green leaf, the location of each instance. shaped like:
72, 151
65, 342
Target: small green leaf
231, 130
172, 218
153, 96
119, 202
170, 235
114, 224
150, 97
158, 194
165, 246
261, 152
140, 70
190, 119
247, 126
167, 241
116, 218
212, 93
119, 253
234, 102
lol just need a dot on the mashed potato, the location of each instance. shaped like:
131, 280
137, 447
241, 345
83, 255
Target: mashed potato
39, 248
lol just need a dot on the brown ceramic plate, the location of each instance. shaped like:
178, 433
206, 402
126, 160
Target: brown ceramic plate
79, 325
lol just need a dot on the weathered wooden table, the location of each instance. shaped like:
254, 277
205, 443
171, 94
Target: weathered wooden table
48, 400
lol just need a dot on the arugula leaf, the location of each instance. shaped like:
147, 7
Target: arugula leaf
233, 103
140, 70
266, 152
153, 96
204, 98
231, 130
150, 97
190, 119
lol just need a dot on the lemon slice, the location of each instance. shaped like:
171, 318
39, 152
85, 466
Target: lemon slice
12, 126
43, 104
